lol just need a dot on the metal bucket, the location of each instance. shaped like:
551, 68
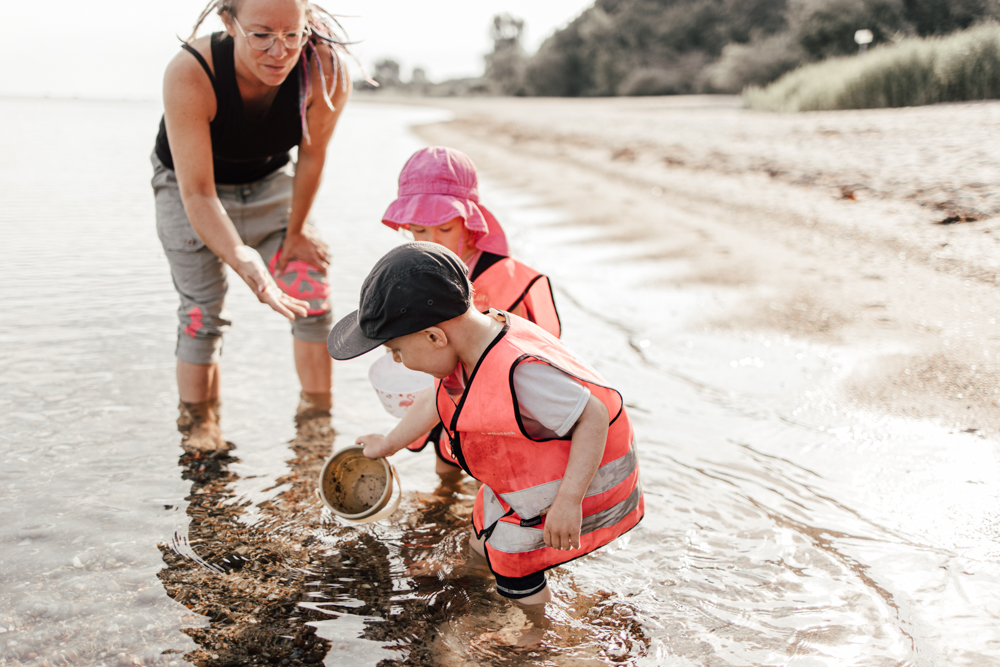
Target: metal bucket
357, 488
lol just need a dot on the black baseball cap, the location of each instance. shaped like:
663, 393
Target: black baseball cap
414, 286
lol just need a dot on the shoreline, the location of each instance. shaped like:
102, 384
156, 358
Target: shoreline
820, 246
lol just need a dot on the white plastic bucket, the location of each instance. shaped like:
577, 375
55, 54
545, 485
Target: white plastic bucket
396, 385
357, 488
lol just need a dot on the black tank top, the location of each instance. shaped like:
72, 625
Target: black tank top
243, 149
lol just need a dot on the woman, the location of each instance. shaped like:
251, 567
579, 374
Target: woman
235, 104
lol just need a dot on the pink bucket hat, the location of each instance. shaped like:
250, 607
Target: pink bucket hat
439, 184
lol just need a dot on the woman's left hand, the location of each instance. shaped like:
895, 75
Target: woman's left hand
306, 246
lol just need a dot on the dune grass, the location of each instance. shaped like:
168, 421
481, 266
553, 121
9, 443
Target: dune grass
960, 67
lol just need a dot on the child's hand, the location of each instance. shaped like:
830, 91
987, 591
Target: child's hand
375, 445
564, 517
562, 525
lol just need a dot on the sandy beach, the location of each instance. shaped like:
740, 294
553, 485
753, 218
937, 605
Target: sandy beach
873, 229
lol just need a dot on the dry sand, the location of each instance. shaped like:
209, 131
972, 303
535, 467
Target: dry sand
864, 228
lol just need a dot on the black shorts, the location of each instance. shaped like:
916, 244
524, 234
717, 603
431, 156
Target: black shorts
516, 588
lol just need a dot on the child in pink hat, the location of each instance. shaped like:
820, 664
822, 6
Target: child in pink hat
438, 187
438, 202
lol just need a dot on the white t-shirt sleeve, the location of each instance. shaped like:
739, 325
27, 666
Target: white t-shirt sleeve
550, 401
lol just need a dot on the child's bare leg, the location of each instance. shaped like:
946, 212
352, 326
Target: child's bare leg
444, 495
477, 544
450, 479
525, 632
533, 607
535, 603
445, 469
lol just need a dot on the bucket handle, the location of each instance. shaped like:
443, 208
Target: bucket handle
386, 511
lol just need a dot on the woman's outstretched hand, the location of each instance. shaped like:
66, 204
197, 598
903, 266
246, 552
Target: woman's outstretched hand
250, 267
306, 246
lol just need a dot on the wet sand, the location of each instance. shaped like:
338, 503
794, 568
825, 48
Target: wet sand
871, 229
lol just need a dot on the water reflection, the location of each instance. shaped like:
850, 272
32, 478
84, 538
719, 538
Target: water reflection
248, 579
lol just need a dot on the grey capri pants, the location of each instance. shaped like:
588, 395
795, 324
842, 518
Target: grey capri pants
259, 210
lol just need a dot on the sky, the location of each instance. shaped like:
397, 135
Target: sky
117, 49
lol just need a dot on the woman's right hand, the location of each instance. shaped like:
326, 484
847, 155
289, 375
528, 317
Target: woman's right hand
248, 264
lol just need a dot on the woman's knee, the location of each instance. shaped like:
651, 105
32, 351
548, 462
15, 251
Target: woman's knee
199, 332
195, 346
313, 328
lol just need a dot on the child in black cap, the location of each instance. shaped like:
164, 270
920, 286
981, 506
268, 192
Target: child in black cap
551, 443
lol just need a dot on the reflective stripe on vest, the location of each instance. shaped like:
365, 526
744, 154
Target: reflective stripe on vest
521, 476
530, 502
514, 538
509, 283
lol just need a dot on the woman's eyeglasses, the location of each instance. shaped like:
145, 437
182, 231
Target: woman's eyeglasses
262, 41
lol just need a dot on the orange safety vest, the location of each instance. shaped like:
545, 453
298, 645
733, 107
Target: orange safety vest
521, 475
503, 283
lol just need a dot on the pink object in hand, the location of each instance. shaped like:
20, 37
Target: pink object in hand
301, 280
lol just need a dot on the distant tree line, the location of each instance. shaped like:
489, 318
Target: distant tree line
661, 47
387, 73
504, 75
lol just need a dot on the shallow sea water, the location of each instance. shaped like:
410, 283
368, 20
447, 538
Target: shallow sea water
782, 528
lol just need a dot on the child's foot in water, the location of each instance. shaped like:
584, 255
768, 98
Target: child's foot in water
450, 483
425, 568
521, 637
524, 627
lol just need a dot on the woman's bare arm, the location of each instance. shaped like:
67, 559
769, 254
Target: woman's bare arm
321, 121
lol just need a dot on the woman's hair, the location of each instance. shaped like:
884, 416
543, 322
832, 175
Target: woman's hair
325, 28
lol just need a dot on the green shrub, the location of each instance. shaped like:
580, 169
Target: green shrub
961, 67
